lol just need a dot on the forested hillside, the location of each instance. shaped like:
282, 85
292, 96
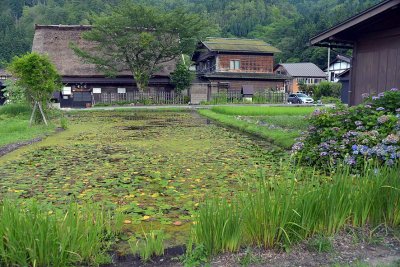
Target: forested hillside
287, 24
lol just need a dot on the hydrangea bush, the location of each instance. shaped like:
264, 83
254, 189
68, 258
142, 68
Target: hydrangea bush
353, 135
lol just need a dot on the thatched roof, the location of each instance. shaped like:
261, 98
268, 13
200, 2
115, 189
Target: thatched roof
239, 45
54, 41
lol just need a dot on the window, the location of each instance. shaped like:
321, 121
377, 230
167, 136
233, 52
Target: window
121, 90
235, 65
96, 90
67, 91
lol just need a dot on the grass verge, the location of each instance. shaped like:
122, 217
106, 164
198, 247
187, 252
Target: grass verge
264, 111
280, 137
14, 125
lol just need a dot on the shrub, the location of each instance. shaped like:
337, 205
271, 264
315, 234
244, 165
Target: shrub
352, 135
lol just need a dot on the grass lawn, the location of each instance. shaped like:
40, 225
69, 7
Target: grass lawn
280, 125
153, 166
14, 125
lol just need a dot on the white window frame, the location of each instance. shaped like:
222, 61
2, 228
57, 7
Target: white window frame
235, 64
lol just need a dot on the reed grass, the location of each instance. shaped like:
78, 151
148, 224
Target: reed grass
152, 244
278, 215
34, 236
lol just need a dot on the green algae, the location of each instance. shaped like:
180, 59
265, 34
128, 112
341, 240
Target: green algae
154, 167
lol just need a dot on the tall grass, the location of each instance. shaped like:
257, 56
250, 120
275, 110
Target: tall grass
263, 111
32, 236
15, 109
278, 214
151, 244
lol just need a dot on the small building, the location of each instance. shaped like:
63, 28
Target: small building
83, 83
303, 73
229, 64
338, 66
374, 37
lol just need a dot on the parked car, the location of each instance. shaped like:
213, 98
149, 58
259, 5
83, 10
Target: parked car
300, 98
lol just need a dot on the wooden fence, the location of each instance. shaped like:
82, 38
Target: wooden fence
266, 97
154, 98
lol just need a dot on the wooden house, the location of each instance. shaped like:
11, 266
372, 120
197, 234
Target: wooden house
374, 37
229, 64
83, 83
338, 66
302, 73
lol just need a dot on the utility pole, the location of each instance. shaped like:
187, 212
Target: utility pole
329, 62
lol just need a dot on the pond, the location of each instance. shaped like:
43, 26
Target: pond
154, 166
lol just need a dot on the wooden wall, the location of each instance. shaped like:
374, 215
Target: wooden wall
376, 64
248, 63
236, 85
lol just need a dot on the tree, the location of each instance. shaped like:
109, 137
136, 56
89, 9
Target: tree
140, 39
39, 78
182, 77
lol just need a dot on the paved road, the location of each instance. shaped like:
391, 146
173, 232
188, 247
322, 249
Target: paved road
191, 106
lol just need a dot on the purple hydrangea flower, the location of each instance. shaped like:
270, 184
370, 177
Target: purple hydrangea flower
391, 139
323, 154
350, 160
394, 89
368, 106
375, 97
380, 109
358, 123
381, 95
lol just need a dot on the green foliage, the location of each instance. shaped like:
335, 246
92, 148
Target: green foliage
389, 100
33, 236
279, 213
37, 76
322, 90
64, 123
330, 100
353, 134
140, 38
15, 94
327, 89
182, 77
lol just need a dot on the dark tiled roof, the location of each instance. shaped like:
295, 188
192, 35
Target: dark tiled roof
303, 70
243, 75
239, 45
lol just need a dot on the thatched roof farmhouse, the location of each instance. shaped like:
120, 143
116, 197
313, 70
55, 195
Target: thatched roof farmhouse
83, 83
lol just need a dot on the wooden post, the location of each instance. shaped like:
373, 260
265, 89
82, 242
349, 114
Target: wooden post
41, 111
33, 114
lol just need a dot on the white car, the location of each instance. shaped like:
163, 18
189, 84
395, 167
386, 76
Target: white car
300, 98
